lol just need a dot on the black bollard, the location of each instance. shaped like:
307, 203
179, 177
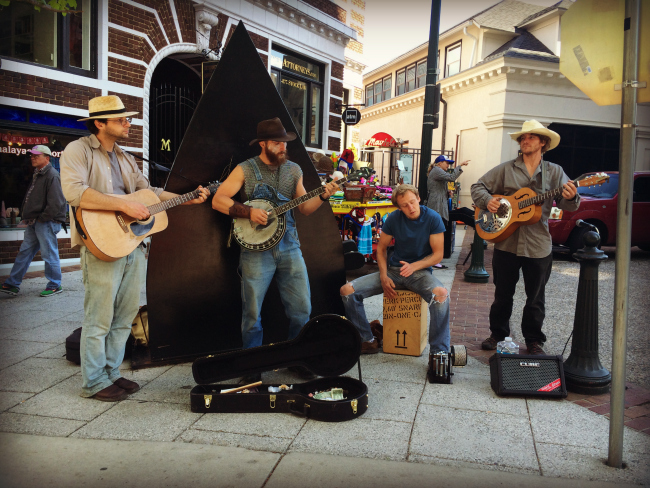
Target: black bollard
582, 370
476, 272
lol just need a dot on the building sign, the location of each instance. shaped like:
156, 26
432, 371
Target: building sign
381, 139
295, 65
294, 84
351, 116
24, 140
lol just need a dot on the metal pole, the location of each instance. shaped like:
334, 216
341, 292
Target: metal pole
430, 119
623, 231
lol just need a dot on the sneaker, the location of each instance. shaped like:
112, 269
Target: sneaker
535, 349
48, 292
9, 290
370, 347
489, 344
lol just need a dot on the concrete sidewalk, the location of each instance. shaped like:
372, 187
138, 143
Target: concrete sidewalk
413, 434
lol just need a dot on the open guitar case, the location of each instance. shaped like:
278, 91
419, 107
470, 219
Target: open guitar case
328, 345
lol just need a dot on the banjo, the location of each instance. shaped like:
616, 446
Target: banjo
257, 237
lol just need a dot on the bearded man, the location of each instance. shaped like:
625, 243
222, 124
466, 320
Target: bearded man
273, 177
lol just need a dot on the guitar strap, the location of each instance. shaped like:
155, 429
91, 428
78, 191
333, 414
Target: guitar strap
544, 170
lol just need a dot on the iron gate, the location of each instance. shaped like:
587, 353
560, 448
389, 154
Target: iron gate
170, 111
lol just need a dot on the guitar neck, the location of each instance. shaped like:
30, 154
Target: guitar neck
540, 198
172, 202
307, 196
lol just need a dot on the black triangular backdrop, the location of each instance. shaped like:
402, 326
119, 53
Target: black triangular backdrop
193, 289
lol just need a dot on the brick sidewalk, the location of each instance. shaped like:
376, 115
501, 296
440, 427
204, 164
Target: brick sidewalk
470, 325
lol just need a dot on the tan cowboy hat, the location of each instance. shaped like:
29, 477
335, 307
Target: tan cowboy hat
272, 130
108, 107
534, 127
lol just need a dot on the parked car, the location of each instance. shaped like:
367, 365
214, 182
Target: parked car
599, 206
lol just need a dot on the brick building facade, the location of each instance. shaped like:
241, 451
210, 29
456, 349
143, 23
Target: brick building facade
124, 47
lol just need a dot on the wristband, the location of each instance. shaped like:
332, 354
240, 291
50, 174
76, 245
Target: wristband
240, 210
323, 199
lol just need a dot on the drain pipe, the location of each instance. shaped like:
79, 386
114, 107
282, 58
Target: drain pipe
471, 59
444, 123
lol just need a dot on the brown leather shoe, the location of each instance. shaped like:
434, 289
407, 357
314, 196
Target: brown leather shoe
111, 393
378, 331
535, 349
127, 385
489, 344
370, 347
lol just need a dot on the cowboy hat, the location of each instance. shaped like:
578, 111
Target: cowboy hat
272, 130
534, 127
108, 107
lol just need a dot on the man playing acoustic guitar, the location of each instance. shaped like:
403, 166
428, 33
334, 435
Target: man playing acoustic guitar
271, 176
93, 169
529, 247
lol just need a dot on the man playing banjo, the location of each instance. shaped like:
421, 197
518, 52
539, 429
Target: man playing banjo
270, 176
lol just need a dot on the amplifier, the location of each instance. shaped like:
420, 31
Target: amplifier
527, 375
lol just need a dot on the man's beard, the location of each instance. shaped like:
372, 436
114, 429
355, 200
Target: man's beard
275, 159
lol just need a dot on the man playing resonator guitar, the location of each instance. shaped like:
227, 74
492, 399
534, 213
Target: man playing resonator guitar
96, 174
529, 247
270, 176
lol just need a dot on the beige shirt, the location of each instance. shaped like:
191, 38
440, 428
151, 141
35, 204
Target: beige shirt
85, 164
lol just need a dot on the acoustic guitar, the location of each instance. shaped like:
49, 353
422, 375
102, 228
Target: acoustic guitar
522, 208
257, 237
111, 235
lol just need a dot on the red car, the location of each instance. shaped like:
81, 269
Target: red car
598, 206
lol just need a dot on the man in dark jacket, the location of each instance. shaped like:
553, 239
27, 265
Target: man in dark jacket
43, 211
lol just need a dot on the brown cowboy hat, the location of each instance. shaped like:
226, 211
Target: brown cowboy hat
534, 127
272, 130
108, 107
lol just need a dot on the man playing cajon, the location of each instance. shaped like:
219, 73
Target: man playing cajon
419, 242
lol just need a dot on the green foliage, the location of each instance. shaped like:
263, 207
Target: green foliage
62, 6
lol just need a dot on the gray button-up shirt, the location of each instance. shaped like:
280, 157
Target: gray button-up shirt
438, 198
85, 164
532, 241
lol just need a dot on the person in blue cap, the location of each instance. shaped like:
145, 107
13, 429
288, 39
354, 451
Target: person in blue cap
437, 178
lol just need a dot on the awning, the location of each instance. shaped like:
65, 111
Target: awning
381, 139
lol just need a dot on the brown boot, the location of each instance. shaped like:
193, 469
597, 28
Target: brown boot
370, 347
127, 385
111, 393
489, 344
378, 331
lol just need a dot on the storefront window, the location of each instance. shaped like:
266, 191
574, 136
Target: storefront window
300, 83
50, 39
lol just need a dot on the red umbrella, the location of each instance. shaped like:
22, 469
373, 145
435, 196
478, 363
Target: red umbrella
381, 139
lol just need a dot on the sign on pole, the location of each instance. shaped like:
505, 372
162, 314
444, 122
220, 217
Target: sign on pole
351, 116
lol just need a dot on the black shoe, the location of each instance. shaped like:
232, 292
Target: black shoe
303, 372
251, 378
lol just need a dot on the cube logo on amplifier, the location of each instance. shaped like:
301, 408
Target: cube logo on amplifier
526, 375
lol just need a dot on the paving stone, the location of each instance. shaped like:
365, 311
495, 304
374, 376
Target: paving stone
392, 400
590, 463
278, 425
35, 374
469, 435
356, 438
253, 442
24, 321
138, 420
457, 463
55, 352
10, 399
173, 385
55, 332
394, 367
586, 429
35, 425
63, 401
15, 351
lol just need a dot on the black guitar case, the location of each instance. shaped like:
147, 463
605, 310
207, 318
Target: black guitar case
193, 289
328, 345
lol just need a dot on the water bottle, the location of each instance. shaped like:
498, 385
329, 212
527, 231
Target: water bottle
507, 346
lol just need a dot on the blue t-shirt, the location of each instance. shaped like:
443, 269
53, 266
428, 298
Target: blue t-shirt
412, 236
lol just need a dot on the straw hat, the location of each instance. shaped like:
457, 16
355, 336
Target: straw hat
272, 130
108, 107
534, 127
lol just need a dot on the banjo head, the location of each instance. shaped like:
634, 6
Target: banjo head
491, 223
256, 237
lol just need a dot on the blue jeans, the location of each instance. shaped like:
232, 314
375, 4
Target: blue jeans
111, 302
38, 236
257, 271
421, 282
